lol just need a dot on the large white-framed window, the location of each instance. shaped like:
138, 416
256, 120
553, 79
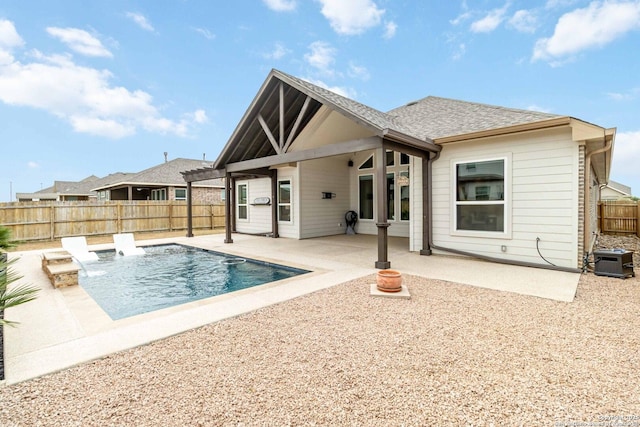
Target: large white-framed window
181, 194
481, 196
242, 197
284, 200
365, 196
397, 182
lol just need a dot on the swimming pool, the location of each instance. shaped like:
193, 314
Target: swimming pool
170, 275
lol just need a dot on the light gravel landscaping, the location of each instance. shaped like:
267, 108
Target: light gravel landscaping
451, 355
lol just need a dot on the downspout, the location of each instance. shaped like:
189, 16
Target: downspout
587, 193
470, 254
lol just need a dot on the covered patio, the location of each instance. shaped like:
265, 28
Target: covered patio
268, 138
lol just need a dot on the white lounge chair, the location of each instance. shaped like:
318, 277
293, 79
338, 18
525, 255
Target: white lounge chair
77, 247
126, 245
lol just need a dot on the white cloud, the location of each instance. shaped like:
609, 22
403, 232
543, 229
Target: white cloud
321, 57
459, 52
353, 16
9, 37
199, 116
33, 165
344, 91
390, 30
205, 33
359, 72
491, 20
281, 5
620, 96
626, 156
594, 26
524, 21
85, 97
141, 21
538, 108
278, 52
80, 41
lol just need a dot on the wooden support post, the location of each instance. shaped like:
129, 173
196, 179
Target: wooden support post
382, 209
274, 203
426, 205
227, 209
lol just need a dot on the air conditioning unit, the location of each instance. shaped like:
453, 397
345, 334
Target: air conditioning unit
614, 263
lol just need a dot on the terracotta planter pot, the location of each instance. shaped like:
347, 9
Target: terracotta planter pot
389, 281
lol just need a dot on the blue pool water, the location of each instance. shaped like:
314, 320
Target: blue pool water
170, 275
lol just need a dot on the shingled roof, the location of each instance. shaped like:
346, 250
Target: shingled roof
434, 117
167, 173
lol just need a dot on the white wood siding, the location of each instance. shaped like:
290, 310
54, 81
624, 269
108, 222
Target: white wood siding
259, 217
324, 217
544, 197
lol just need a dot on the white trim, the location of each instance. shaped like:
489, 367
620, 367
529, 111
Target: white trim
373, 180
238, 204
290, 204
506, 202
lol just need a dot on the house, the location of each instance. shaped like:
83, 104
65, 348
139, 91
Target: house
459, 177
614, 191
163, 182
70, 190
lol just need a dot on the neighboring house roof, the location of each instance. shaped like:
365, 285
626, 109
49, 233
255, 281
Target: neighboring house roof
167, 173
622, 189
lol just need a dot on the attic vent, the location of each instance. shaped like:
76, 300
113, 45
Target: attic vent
409, 104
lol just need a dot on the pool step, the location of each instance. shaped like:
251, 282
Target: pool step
60, 269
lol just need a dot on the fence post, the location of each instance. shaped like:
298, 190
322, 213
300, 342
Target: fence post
638, 218
170, 215
119, 217
52, 219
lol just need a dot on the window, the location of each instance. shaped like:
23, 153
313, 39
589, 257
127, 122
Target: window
243, 208
284, 200
365, 188
404, 159
480, 201
181, 194
391, 196
403, 183
367, 164
390, 158
159, 194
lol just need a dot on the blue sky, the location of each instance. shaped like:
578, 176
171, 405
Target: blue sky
102, 86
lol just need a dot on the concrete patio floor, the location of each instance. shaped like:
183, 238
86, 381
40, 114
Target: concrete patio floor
65, 327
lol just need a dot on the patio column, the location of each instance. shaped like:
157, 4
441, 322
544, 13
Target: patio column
274, 203
426, 206
227, 209
232, 200
382, 208
189, 211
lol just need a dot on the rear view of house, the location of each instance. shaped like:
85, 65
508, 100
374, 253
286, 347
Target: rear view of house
503, 184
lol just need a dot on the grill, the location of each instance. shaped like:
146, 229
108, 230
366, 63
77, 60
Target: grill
614, 263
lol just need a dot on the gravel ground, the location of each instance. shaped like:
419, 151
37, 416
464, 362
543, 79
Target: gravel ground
451, 355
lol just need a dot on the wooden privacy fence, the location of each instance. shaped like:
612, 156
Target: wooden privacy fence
53, 220
619, 217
